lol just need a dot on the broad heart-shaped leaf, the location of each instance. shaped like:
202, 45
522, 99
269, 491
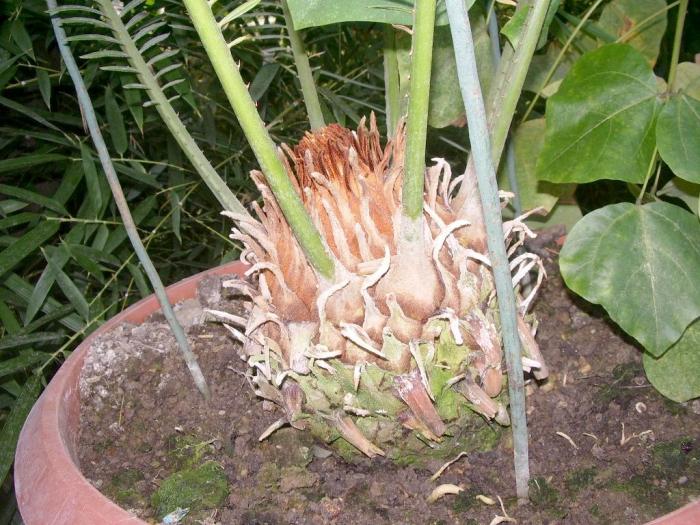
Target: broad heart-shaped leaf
540, 66
311, 13
528, 139
600, 124
683, 190
621, 17
678, 136
446, 107
676, 374
688, 79
641, 263
563, 214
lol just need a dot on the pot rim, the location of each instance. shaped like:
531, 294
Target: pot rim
49, 487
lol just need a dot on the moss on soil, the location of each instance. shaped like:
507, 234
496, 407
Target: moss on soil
269, 475
658, 487
292, 448
579, 479
187, 451
122, 489
545, 497
200, 488
623, 375
465, 500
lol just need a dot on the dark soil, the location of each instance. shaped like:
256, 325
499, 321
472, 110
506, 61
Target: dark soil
149, 442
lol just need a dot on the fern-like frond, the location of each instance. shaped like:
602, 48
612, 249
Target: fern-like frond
138, 38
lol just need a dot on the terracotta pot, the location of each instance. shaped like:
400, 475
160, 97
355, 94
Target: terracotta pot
49, 486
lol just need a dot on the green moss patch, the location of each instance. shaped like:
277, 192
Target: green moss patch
623, 375
269, 475
187, 451
659, 487
122, 489
200, 488
545, 497
465, 500
580, 478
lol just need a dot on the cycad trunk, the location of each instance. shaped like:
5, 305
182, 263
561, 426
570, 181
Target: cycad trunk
389, 357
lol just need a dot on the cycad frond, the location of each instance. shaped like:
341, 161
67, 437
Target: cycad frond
138, 40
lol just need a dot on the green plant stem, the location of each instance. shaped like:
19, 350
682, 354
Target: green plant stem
417, 113
210, 177
488, 189
655, 186
508, 85
512, 78
677, 37
675, 54
510, 149
650, 171
559, 58
129, 225
301, 60
392, 95
262, 145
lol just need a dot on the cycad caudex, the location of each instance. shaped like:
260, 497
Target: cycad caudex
400, 349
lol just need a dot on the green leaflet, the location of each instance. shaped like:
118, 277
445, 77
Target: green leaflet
675, 374
117, 130
44, 83
91, 178
26, 245
69, 288
262, 80
641, 264
27, 161
21, 37
21, 362
21, 341
32, 197
13, 424
600, 124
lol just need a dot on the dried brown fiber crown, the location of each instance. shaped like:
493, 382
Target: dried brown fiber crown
402, 348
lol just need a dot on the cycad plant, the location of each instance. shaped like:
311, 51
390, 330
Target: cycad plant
373, 315
405, 334
372, 306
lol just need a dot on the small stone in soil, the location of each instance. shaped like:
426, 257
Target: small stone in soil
189, 313
297, 478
